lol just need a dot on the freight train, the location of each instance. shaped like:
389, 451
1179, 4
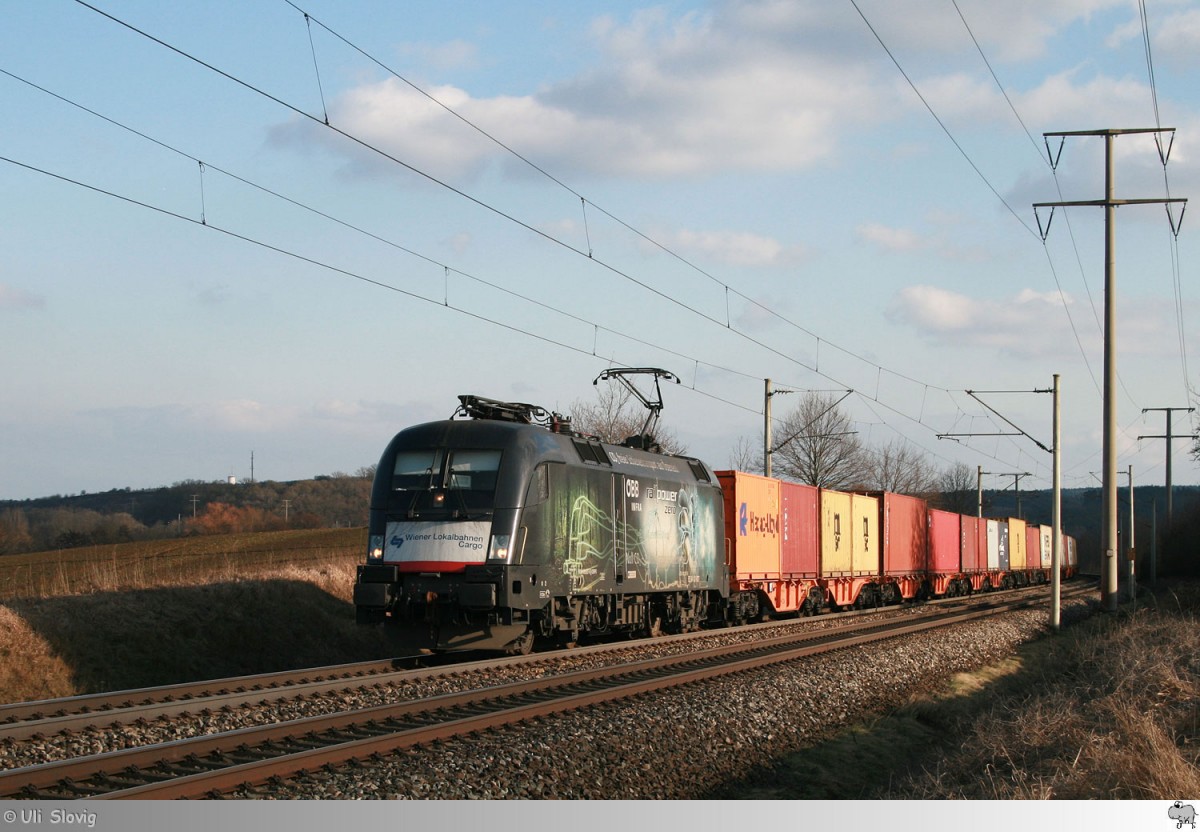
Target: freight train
502, 525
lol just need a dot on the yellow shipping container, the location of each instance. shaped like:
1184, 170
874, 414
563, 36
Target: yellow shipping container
1016, 544
837, 546
867, 549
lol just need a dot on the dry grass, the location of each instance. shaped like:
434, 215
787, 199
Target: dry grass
171, 561
1107, 709
133, 616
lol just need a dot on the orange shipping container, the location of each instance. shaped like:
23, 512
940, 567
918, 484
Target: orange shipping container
752, 525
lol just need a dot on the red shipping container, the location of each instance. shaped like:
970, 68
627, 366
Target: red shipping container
1033, 546
945, 541
801, 550
905, 535
971, 559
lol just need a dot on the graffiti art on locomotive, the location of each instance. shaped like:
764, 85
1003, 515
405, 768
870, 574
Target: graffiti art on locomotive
501, 525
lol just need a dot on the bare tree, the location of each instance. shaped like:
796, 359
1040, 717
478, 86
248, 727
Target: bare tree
14, 531
747, 455
900, 468
956, 489
816, 445
616, 415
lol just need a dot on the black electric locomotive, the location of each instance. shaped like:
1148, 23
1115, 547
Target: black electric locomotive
501, 525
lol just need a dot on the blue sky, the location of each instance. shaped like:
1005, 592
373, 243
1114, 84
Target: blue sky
511, 197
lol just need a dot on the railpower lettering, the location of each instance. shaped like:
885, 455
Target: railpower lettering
636, 493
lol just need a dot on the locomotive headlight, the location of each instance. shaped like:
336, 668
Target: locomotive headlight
375, 548
500, 547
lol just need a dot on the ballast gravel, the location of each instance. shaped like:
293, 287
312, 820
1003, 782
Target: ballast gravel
684, 743
679, 744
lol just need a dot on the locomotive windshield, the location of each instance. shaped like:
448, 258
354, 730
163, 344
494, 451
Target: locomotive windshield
417, 470
444, 482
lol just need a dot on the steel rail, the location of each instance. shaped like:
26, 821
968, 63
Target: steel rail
73, 776
49, 717
101, 703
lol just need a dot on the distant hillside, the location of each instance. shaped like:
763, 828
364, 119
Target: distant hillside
119, 515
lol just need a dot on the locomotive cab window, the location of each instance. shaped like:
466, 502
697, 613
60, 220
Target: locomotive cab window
444, 482
473, 470
417, 470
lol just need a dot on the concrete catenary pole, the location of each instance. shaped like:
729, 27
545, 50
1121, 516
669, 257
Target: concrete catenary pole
1056, 552
1169, 437
979, 491
1108, 530
767, 427
1130, 549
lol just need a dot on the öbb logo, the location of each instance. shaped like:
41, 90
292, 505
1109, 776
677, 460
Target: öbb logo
750, 521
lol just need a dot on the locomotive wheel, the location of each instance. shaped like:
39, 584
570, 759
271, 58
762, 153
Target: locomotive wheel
522, 646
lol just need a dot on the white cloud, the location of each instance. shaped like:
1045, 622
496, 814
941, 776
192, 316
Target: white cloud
676, 98
887, 238
1032, 323
734, 248
1177, 38
748, 86
1029, 324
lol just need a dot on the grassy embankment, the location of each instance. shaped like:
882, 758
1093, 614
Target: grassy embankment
1106, 709
157, 612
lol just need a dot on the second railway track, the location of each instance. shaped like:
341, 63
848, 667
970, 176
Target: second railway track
217, 763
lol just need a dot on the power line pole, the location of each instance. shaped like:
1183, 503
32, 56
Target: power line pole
979, 491
1017, 488
1130, 547
1108, 538
1168, 437
1056, 500
767, 394
1016, 485
1056, 516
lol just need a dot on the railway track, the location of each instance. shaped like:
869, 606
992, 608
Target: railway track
49, 717
218, 763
